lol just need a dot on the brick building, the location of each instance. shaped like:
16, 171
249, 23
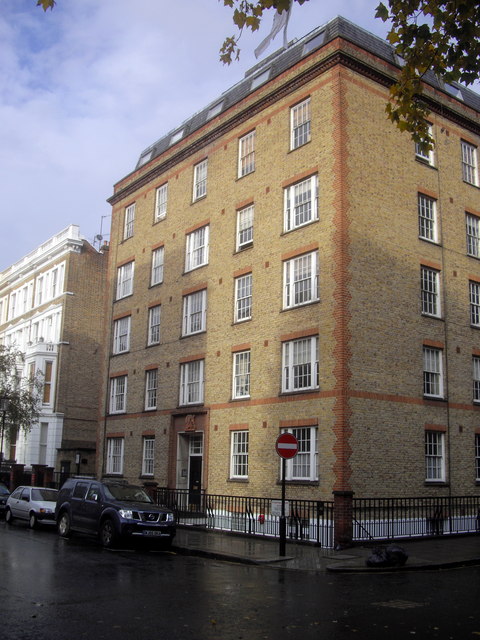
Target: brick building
52, 309
287, 260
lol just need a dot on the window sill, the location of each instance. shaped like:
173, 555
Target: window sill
432, 317
244, 175
186, 407
243, 321
300, 483
239, 480
471, 184
425, 162
302, 226
243, 248
298, 392
205, 264
435, 399
191, 335
199, 199
435, 243
300, 146
300, 306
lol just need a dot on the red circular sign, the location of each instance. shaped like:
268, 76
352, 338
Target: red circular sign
287, 445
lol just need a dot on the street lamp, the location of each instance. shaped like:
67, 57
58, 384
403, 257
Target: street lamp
4, 404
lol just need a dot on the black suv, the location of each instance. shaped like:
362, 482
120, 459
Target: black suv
112, 510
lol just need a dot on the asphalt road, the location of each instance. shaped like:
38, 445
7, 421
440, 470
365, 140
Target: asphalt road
56, 589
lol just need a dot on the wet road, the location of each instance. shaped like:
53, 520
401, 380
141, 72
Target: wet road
58, 589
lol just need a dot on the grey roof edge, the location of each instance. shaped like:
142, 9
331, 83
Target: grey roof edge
282, 59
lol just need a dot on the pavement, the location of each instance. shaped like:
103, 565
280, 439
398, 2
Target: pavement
423, 554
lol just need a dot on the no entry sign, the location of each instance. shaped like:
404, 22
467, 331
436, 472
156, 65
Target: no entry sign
286, 445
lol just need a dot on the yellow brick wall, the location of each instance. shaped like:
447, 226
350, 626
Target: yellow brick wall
369, 408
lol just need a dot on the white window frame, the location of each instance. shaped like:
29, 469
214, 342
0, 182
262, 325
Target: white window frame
194, 313
200, 173
148, 456
129, 221
192, 382
154, 319
434, 456
161, 200
303, 467
39, 285
246, 154
474, 291
476, 379
48, 390
243, 297
115, 450
300, 365
245, 218
427, 218
121, 335
151, 389
118, 394
241, 374
239, 454
469, 163
197, 244
430, 291
158, 256
125, 275
300, 280
433, 372
425, 155
300, 124
301, 203
473, 235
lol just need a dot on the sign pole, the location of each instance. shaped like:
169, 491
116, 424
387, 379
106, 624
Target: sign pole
287, 448
283, 520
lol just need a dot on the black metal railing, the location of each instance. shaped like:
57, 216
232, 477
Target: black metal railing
307, 520
394, 518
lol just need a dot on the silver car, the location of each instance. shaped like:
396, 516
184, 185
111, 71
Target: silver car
34, 504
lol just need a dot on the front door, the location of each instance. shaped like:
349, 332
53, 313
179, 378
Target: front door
195, 479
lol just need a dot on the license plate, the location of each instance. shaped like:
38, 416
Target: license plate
154, 533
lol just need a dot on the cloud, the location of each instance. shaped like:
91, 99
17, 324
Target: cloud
86, 87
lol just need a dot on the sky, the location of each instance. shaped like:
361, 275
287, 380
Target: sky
85, 88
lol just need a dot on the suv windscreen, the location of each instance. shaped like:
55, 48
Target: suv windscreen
127, 493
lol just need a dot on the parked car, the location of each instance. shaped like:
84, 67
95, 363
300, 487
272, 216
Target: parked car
34, 504
4, 493
112, 511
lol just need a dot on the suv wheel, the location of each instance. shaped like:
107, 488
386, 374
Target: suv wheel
64, 525
108, 535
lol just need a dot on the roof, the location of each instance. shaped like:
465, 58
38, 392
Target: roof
283, 59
